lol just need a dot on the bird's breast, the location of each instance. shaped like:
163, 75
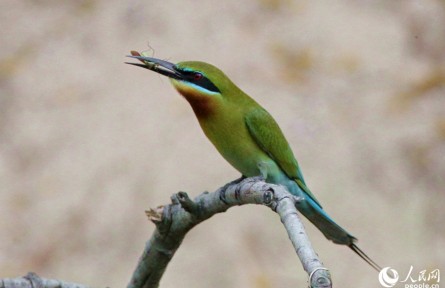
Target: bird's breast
228, 133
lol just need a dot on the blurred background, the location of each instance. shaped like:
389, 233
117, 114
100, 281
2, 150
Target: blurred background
88, 143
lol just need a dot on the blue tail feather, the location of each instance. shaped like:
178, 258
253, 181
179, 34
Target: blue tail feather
331, 230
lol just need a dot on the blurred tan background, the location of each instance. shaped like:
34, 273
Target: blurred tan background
88, 143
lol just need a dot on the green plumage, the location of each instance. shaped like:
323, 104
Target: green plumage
269, 138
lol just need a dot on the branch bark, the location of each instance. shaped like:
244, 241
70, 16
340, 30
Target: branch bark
176, 219
173, 221
32, 280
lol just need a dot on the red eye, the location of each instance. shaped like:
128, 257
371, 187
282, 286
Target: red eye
197, 76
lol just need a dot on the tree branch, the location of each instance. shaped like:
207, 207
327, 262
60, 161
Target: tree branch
32, 280
175, 220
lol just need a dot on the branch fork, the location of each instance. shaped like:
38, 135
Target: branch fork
173, 221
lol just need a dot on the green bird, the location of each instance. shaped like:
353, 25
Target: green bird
247, 136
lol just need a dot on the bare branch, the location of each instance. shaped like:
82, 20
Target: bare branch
176, 219
32, 280
173, 221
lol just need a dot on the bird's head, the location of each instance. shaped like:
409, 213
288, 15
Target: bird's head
202, 84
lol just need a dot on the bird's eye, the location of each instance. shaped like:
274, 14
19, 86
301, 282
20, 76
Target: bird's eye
197, 76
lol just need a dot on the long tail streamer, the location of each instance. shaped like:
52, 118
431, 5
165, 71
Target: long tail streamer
365, 257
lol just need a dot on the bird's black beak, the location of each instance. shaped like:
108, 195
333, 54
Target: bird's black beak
157, 65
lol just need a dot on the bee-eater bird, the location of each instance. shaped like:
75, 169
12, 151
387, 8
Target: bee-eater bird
246, 135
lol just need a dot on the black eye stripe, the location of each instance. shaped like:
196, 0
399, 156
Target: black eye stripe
203, 81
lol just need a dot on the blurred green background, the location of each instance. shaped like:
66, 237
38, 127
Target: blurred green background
88, 143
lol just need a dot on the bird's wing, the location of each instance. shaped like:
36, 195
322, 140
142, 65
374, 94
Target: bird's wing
269, 137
